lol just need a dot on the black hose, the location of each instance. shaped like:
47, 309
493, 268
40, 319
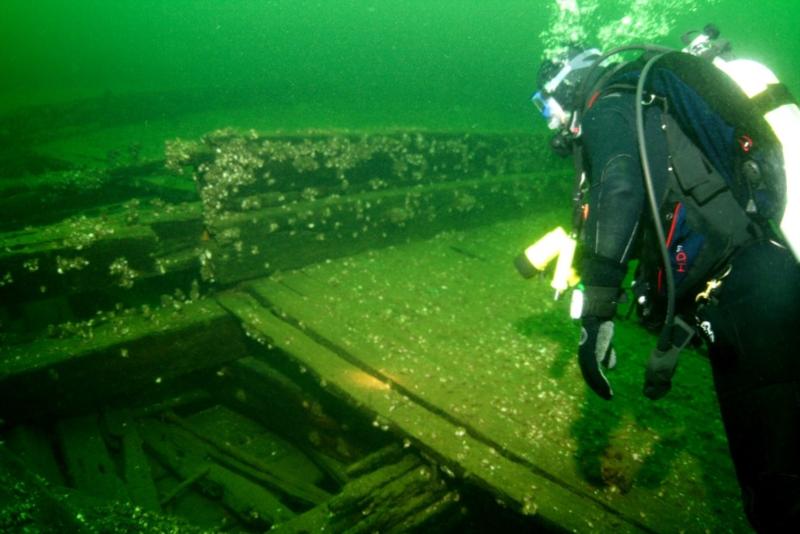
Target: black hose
665, 339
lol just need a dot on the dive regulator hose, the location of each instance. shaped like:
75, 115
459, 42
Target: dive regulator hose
665, 339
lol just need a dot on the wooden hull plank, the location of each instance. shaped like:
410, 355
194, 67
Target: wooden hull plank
393, 498
135, 466
87, 460
274, 454
251, 244
58, 376
431, 324
513, 481
255, 388
242, 460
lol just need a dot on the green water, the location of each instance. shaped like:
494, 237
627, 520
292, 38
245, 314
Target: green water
303, 63
90, 90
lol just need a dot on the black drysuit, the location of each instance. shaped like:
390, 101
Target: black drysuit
751, 322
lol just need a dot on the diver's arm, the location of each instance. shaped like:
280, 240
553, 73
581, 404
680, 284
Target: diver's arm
616, 197
616, 193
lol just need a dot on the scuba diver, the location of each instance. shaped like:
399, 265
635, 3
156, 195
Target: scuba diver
687, 161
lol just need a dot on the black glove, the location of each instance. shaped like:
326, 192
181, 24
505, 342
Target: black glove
659, 372
595, 350
662, 363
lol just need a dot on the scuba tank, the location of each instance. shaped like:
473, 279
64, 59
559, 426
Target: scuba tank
775, 104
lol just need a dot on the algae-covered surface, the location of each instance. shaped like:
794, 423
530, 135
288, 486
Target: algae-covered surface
450, 326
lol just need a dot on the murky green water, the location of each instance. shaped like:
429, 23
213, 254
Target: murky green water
338, 62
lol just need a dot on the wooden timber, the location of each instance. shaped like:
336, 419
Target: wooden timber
254, 243
182, 453
436, 342
236, 457
33, 447
480, 461
385, 500
28, 504
125, 231
114, 463
249, 443
301, 414
135, 467
87, 459
278, 202
75, 255
114, 359
47, 198
234, 167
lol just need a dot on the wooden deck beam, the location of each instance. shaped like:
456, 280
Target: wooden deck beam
54, 377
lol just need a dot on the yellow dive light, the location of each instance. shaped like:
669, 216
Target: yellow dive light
555, 244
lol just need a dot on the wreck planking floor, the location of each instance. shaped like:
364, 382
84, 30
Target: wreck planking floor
444, 343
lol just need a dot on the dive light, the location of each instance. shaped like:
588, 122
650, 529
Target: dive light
555, 245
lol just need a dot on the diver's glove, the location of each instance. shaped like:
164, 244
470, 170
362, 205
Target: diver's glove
662, 363
659, 372
595, 352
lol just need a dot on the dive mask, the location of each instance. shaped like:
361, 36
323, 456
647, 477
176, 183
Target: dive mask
562, 84
550, 109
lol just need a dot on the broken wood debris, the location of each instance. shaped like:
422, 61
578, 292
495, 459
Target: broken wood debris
185, 484
379, 501
296, 412
236, 457
181, 452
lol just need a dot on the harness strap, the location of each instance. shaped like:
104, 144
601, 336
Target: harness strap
600, 302
773, 97
578, 217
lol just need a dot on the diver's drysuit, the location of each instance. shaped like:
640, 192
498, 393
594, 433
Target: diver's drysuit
750, 318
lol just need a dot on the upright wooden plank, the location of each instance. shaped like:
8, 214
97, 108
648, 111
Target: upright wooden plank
135, 467
88, 462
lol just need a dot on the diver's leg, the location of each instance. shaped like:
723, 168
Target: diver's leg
756, 325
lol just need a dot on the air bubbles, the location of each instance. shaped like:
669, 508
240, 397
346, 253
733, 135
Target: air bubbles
577, 21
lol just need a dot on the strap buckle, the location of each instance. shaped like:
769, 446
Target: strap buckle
712, 285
